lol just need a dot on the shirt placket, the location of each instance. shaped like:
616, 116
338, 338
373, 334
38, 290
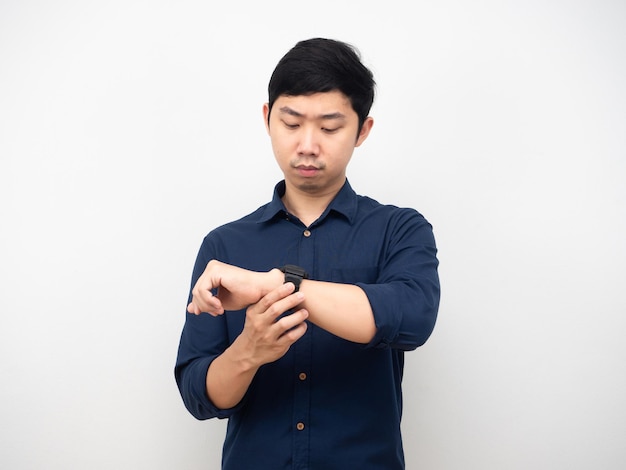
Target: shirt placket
302, 368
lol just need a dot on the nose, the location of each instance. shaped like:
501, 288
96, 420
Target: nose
308, 144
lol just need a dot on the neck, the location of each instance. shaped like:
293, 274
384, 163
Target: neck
306, 206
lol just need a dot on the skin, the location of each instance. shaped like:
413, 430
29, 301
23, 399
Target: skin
313, 138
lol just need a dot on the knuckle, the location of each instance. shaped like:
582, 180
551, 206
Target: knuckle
275, 310
267, 302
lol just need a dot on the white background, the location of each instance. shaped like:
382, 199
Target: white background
129, 129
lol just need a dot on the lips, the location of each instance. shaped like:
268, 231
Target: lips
307, 170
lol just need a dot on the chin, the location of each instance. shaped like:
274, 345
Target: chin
309, 187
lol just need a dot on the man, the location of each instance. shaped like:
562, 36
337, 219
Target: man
300, 312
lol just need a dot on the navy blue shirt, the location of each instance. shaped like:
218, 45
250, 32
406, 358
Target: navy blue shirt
328, 403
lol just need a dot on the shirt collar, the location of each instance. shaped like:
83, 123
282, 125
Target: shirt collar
345, 203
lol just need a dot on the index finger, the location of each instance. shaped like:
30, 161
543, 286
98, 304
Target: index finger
205, 301
278, 300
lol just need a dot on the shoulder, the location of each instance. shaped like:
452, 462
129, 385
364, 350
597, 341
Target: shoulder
238, 227
368, 207
394, 223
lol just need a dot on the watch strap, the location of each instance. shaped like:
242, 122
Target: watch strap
294, 274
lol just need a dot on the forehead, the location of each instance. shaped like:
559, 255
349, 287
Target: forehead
326, 105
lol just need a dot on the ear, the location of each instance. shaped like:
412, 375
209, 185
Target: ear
266, 116
365, 130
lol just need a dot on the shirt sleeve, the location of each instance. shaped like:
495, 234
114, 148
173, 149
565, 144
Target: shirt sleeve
405, 298
204, 337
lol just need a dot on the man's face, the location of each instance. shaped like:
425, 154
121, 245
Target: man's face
313, 137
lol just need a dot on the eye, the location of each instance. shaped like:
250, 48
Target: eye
290, 125
329, 130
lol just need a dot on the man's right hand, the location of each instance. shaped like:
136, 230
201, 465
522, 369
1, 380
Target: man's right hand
266, 337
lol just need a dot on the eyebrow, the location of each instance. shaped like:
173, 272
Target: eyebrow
293, 112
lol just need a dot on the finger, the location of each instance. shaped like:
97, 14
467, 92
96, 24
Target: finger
205, 301
294, 333
197, 310
215, 306
283, 306
272, 297
290, 321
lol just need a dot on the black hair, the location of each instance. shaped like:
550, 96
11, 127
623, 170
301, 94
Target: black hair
321, 65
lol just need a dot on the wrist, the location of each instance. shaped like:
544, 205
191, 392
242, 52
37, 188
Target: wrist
241, 355
272, 279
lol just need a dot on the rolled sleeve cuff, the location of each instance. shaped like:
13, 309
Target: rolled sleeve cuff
403, 321
195, 395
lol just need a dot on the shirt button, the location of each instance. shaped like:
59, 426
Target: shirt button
307, 233
300, 426
302, 376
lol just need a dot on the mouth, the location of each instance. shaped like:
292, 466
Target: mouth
307, 170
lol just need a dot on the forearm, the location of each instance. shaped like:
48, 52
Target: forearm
265, 338
229, 377
341, 309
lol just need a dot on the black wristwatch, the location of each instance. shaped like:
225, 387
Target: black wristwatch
294, 274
